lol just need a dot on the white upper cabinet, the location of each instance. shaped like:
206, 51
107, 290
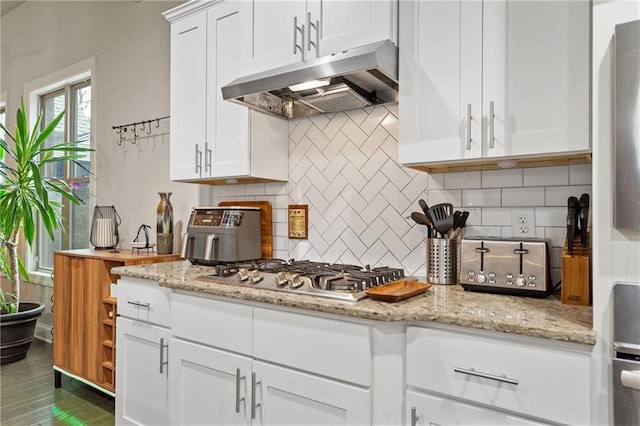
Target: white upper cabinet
212, 139
188, 96
484, 80
285, 32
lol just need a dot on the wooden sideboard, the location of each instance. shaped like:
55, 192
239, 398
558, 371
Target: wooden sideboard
84, 313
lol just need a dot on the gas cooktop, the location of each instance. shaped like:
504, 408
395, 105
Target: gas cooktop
336, 281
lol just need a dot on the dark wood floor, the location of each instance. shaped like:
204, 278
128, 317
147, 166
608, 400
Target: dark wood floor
28, 397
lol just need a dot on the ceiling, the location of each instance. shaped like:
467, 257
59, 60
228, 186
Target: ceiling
7, 6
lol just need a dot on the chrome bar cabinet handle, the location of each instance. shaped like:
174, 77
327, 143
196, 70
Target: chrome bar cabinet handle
207, 158
492, 116
316, 27
414, 417
238, 399
138, 304
472, 372
297, 29
469, 127
198, 159
162, 360
254, 383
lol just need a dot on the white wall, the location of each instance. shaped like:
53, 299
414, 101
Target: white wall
616, 253
130, 40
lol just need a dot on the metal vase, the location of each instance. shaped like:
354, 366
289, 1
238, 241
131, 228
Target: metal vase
164, 225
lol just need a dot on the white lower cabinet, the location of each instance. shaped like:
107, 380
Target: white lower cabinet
290, 397
533, 378
426, 410
208, 386
142, 380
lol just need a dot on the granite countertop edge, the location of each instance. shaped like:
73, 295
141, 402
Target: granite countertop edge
543, 318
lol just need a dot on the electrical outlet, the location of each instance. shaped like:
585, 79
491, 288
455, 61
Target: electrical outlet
523, 223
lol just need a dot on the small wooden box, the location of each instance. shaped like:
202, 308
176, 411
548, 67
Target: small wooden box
576, 275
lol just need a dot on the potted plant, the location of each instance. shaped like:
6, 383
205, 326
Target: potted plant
24, 200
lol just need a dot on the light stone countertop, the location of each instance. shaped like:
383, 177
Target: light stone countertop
545, 318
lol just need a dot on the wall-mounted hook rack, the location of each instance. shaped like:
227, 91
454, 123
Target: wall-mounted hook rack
144, 126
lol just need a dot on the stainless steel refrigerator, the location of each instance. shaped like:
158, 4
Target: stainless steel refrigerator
627, 126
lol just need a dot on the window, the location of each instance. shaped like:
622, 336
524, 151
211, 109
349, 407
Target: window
75, 99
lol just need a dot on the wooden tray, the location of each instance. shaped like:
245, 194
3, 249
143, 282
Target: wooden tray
266, 225
397, 290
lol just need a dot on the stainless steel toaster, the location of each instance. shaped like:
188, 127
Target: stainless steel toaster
222, 234
518, 266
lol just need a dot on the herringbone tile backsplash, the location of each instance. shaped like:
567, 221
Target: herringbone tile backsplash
344, 167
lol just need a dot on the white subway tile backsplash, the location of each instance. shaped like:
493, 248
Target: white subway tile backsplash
496, 217
354, 133
374, 141
558, 195
481, 197
255, 189
501, 178
580, 174
453, 196
344, 166
523, 197
357, 116
551, 216
546, 176
462, 180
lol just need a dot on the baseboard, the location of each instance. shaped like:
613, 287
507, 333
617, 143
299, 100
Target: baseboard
43, 332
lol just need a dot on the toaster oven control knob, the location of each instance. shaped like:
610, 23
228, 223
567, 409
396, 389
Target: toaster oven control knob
243, 274
481, 278
296, 281
256, 276
520, 281
281, 279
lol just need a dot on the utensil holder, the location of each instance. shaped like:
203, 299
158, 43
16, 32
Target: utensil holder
442, 260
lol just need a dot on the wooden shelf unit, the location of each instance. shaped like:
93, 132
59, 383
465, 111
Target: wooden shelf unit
84, 319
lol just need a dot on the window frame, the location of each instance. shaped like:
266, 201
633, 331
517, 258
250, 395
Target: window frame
73, 74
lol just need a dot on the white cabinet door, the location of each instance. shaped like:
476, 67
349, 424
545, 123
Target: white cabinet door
286, 32
227, 149
441, 73
142, 373
277, 36
430, 410
208, 386
492, 79
289, 397
188, 96
336, 25
536, 75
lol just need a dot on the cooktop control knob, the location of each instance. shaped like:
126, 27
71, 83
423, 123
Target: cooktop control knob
281, 279
256, 276
296, 281
520, 281
481, 278
243, 274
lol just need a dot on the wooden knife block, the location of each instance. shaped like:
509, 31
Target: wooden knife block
576, 274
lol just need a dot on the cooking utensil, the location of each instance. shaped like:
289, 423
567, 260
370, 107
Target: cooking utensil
422, 219
441, 216
460, 223
572, 222
456, 217
424, 206
584, 218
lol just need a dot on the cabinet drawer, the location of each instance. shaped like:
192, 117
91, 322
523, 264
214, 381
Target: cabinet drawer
144, 300
217, 323
539, 381
332, 348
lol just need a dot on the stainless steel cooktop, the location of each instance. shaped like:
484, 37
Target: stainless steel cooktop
332, 280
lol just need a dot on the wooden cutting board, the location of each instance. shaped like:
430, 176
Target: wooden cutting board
397, 290
266, 222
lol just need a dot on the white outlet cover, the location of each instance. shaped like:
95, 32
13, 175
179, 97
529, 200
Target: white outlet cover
523, 222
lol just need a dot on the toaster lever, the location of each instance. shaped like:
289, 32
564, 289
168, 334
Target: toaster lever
520, 251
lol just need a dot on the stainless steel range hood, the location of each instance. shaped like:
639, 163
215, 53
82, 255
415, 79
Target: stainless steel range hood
354, 78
